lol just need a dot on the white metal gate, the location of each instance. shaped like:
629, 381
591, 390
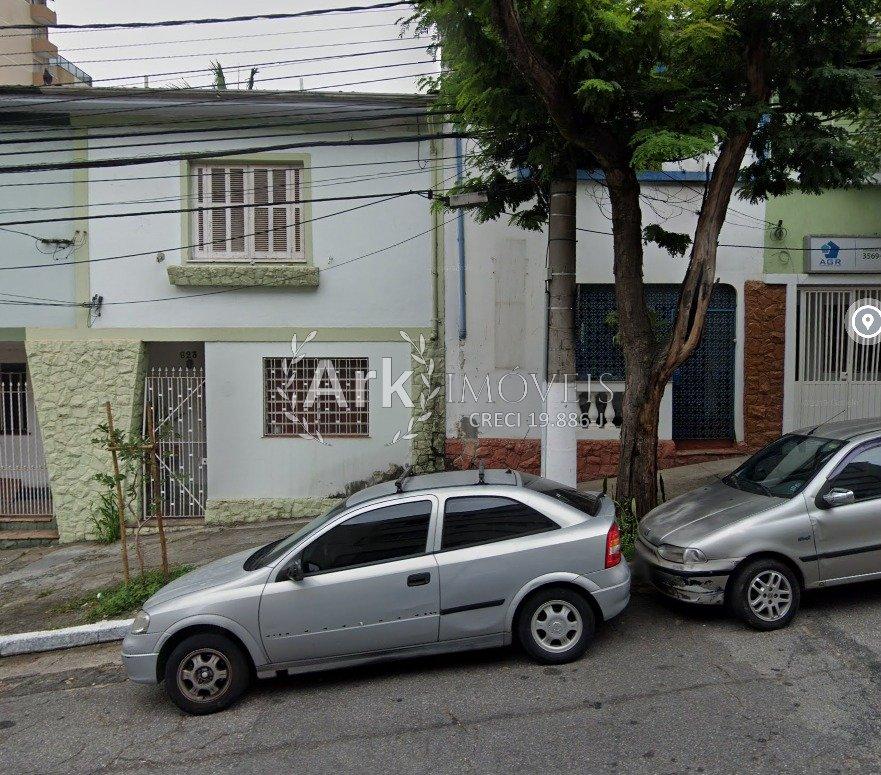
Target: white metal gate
837, 377
177, 399
24, 478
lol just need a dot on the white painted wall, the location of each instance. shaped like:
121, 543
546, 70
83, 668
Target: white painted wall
19, 192
244, 464
392, 288
492, 248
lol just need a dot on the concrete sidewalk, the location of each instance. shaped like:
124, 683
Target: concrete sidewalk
37, 585
682, 479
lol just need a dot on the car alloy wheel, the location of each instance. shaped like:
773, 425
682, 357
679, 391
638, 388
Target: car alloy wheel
556, 625
769, 595
203, 675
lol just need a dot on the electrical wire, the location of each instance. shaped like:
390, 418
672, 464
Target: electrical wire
214, 20
208, 208
233, 138
218, 153
191, 245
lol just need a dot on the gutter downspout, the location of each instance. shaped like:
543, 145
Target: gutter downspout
460, 239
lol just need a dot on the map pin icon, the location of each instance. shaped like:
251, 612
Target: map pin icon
867, 322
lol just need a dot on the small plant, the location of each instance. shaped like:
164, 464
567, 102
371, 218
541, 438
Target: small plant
105, 518
126, 598
628, 524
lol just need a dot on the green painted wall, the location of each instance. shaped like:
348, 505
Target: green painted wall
853, 212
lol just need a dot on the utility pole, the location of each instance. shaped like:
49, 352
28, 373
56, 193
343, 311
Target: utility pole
559, 437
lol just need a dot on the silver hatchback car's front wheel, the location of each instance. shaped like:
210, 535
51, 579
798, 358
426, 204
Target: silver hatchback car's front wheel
555, 625
766, 594
206, 673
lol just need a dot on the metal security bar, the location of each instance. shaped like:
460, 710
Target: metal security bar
176, 396
837, 377
24, 478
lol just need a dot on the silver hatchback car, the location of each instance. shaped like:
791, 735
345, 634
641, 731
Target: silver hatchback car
803, 512
427, 564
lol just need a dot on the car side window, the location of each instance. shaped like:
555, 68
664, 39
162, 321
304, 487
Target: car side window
484, 519
379, 535
861, 474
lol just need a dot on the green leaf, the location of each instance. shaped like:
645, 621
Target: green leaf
674, 243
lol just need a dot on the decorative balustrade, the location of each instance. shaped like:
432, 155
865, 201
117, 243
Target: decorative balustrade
600, 416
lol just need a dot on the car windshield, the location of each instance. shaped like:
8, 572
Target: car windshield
266, 555
784, 468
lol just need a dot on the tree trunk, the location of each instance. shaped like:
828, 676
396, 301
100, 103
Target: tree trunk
559, 450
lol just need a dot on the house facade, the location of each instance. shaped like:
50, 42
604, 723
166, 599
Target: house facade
727, 399
161, 253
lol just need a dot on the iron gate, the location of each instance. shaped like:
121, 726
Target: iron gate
176, 396
837, 377
24, 478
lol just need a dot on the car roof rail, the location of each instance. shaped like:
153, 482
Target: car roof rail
399, 482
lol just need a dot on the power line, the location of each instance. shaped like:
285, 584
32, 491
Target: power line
300, 133
231, 122
214, 20
216, 153
266, 64
191, 245
211, 208
179, 176
176, 41
314, 184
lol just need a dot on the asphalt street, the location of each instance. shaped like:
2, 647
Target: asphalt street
663, 689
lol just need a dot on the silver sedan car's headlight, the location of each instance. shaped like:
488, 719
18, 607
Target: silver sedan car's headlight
141, 623
681, 554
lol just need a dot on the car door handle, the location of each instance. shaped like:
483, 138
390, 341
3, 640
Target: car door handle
418, 579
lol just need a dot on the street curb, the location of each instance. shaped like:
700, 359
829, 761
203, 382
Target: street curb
65, 638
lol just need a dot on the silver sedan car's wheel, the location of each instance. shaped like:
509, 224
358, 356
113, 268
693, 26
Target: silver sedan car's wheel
766, 594
203, 675
770, 595
555, 625
206, 673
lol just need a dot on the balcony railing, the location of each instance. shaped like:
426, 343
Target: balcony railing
81, 76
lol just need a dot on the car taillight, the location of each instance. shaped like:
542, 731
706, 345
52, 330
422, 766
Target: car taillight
613, 546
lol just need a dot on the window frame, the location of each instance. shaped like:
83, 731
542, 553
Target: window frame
442, 514
296, 552
848, 456
189, 220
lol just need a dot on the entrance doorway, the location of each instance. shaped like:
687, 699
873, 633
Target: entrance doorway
836, 378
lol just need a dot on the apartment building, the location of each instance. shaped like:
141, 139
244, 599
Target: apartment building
31, 58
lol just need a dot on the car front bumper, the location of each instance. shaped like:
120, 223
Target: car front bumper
704, 585
140, 659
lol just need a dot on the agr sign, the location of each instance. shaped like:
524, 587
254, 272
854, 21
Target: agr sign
831, 254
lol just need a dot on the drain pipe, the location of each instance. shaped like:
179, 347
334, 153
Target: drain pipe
460, 239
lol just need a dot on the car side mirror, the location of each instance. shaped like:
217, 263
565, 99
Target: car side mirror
838, 496
293, 571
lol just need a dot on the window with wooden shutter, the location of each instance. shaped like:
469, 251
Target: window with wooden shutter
248, 213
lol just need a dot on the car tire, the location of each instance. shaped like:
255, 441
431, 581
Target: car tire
570, 625
206, 673
765, 594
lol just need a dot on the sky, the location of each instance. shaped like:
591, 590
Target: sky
157, 53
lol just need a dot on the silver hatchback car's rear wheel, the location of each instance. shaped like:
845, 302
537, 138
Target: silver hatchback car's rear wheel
766, 594
555, 625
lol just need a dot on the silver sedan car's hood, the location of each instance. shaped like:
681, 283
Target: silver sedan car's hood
215, 573
686, 519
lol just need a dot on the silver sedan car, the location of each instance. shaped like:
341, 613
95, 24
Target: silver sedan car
804, 512
427, 564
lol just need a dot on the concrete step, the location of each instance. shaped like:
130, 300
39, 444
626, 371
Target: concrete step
25, 523
12, 539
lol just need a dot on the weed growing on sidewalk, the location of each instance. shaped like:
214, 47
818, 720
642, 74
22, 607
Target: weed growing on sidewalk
126, 598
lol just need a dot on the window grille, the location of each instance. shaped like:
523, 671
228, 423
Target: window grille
305, 397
